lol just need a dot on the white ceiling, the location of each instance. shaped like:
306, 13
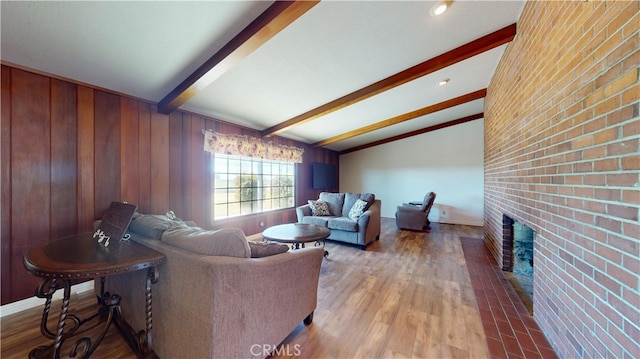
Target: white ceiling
146, 48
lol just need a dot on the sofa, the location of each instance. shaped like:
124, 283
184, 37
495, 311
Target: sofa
218, 295
352, 217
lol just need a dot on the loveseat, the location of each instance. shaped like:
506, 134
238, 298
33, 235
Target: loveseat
218, 295
352, 217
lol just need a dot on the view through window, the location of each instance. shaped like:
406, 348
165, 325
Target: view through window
246, 185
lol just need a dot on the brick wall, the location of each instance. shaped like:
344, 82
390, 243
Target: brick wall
562, 156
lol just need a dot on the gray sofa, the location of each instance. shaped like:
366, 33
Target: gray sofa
212, 299
359, 230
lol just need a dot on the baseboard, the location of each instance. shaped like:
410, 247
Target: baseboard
462, 223
34, 302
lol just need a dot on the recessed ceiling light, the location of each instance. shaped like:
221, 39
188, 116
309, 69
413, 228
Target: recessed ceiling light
440, 7
443, 82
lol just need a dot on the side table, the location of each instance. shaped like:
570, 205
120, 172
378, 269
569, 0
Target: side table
72, 259
297, 234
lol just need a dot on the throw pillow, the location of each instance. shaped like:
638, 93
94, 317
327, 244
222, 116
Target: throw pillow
319, 208
229, 242
350, 199
153, 225
264, 249
149, 225
335, 202
357, 209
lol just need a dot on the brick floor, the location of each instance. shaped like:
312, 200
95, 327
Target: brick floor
511, 331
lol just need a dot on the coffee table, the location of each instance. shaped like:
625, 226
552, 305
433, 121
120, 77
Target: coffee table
77, 258
297, 234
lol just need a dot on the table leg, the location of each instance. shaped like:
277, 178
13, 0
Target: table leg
46, 289
140, 342
84, 346
326, 252
63, 316
152, 278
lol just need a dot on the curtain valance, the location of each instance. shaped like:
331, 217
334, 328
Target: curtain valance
248, 146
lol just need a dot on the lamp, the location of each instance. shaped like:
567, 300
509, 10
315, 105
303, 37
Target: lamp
440, 7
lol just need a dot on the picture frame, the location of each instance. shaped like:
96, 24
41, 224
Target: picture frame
115, 222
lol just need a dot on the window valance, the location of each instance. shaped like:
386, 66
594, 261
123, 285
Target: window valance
248, 146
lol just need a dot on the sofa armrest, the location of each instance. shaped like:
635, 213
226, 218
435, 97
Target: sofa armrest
410, 218
303, 211
409, 205
363, 220
410, 213
369, 223
266, 298
409, 209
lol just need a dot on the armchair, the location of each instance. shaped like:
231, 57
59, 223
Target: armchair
413, 217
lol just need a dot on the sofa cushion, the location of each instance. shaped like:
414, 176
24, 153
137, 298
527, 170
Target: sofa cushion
358, 208
335, 201
342, 224
319, 208
230, 242
261, 249
320, 221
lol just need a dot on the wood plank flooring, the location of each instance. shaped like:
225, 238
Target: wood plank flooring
409, 295
21, 331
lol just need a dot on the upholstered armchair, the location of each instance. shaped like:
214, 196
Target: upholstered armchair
414, 217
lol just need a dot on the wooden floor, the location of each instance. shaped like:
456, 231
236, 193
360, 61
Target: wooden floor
21, 331
408, 295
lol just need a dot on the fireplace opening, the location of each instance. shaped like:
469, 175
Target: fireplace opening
518, 258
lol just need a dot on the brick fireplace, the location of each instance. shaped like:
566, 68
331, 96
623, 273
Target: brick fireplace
561, 132
517, 252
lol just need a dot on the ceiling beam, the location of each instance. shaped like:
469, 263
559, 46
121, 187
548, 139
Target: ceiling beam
439, 62
415, 133
472, 96
273, 20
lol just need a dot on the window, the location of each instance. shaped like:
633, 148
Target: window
246, 185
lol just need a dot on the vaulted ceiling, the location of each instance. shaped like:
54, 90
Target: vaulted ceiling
344, 75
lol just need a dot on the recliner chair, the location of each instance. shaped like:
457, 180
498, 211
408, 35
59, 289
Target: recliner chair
413, 217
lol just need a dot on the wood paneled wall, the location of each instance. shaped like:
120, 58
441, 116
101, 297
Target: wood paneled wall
68, 151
